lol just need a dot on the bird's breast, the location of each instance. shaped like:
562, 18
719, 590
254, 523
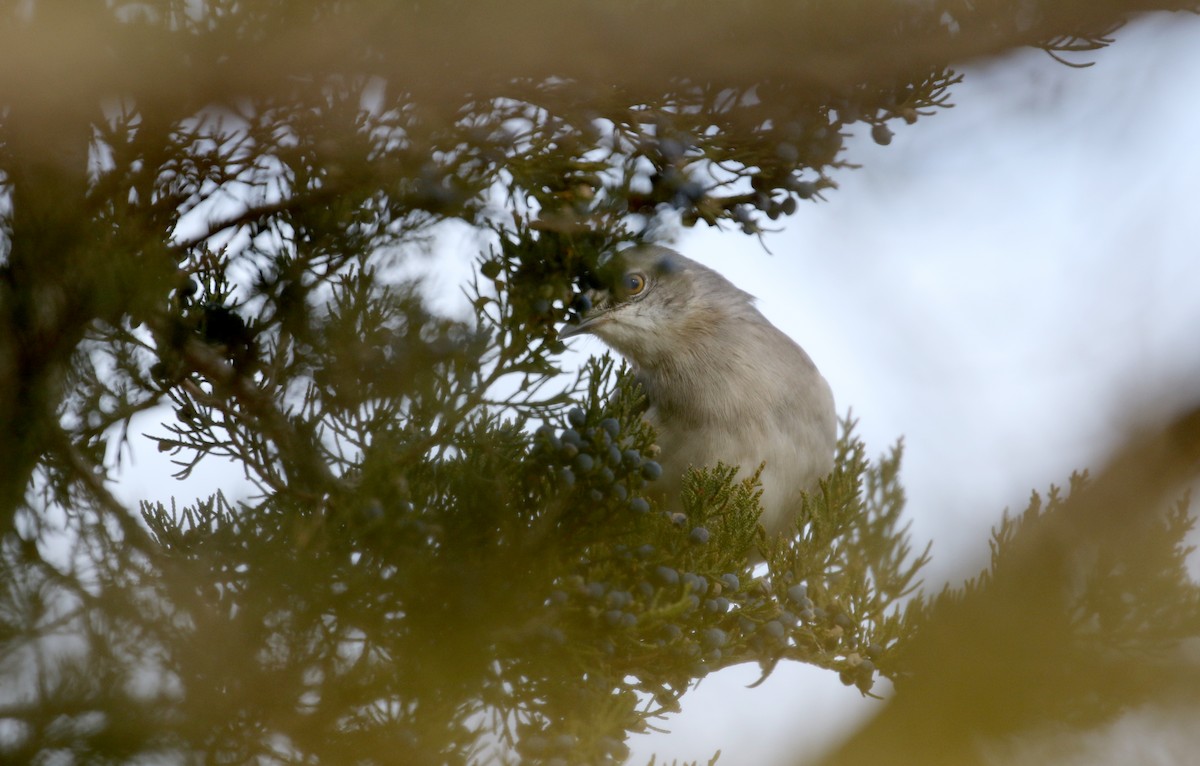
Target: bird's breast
775, 411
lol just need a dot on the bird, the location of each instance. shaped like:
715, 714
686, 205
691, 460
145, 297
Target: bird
723, 384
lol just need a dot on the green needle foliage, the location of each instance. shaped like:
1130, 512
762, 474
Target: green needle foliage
511, 559
443, 547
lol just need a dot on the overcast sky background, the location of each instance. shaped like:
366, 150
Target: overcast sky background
999, 286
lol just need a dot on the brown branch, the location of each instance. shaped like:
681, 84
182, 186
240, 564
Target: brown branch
303, 465
256, 213
91, 476
446, 50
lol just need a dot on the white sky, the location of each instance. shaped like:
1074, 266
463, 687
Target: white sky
999, 286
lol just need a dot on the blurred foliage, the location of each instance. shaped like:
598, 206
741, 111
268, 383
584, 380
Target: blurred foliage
454, 550
1087, 613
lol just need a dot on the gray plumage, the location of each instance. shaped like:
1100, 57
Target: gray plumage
723, 383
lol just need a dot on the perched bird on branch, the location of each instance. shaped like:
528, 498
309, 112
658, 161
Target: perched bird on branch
723, 383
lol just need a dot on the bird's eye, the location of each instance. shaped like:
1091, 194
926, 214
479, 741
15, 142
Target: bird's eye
634, 284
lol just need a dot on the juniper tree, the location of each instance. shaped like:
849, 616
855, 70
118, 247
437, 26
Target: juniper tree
454, 550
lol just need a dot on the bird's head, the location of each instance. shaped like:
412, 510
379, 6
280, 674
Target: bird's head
660, 303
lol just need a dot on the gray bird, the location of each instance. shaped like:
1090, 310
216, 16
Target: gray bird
723, 383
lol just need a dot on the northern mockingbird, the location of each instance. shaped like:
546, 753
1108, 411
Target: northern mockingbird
723, 383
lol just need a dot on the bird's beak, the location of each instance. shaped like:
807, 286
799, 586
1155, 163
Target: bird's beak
592, 313
583, 326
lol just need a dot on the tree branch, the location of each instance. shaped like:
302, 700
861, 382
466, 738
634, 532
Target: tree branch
446, 50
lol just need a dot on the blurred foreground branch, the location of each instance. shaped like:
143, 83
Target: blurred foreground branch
1087, 612
443, 50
